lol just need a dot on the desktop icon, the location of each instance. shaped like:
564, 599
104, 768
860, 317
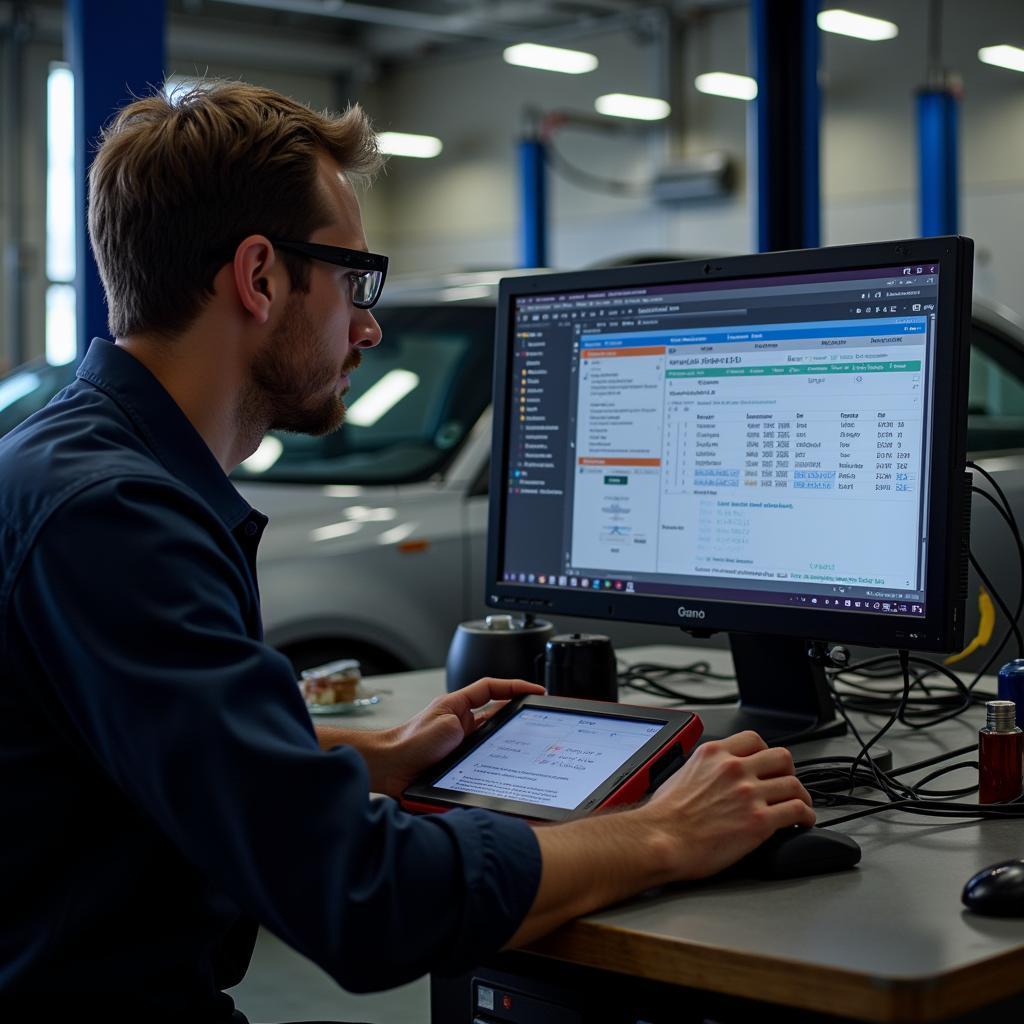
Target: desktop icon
542, 579
584, 582
574, 581
562, 581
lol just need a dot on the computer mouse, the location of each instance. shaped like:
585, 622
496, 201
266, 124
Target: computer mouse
996, 891
795, 852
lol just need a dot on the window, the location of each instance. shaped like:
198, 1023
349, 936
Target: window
61, 315
995, 405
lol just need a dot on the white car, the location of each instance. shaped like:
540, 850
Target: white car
377, 541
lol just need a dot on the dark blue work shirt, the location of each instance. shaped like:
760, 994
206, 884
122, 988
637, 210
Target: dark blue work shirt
161, 787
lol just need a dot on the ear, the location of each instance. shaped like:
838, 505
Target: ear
256, 273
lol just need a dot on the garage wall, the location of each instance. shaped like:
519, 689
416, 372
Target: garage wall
461, 210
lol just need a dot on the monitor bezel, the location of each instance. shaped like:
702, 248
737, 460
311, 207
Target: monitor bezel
941, 628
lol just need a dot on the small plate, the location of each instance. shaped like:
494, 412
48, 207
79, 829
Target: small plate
346, 707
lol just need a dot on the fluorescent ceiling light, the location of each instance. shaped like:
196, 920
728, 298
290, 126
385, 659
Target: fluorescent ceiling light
383, 396
641, 108
721, 83
860, 26
404, 144
265, 456
465, 291
550, 58
1004, 56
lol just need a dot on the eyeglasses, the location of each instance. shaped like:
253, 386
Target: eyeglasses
370, 269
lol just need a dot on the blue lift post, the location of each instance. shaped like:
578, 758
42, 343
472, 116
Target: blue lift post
116, 51
786, 135
937, 123
534, 205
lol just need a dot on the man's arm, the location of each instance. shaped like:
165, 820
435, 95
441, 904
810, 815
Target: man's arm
394, 757
728, 798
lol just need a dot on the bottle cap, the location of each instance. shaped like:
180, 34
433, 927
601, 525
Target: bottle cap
1000, 715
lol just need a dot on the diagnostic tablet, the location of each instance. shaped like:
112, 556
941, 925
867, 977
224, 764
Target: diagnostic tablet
557, 758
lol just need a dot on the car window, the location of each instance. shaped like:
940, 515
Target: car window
995, 404
27, 389
412, 403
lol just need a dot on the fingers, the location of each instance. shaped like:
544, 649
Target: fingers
483, 690
742, 744
791, 812
783, 790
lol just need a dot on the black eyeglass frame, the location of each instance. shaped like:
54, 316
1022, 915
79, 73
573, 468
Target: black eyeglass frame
353, 259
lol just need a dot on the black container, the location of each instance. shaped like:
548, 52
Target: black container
581, 665
500, 646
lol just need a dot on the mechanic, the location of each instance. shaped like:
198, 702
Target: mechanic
164, 789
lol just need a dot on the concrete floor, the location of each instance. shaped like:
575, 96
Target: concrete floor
283, 986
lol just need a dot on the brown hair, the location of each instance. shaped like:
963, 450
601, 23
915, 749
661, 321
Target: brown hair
176, 185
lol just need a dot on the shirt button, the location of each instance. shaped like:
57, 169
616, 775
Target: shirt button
251, 529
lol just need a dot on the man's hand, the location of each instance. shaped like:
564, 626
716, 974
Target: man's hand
397, 756
729, 797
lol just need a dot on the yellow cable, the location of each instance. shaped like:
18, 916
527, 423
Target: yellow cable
986, 624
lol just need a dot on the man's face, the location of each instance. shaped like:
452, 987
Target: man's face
300, 375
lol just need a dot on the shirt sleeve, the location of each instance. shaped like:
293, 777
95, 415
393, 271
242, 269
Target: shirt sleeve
204, 727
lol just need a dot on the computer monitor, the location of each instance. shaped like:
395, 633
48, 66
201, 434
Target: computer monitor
769, 445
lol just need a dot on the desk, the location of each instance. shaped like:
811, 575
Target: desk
887, 941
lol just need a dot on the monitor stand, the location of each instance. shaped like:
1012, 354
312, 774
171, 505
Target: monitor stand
783, 695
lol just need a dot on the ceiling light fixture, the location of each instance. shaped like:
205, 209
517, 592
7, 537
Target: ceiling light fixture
550, 58
1004, 56
859, 26
404, 144
722, 83
640, 108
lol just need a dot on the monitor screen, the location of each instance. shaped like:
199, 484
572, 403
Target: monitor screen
770, 441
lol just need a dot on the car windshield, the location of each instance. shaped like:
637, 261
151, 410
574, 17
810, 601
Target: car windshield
412, 403
27, 389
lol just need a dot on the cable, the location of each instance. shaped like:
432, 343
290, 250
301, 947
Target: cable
585, 179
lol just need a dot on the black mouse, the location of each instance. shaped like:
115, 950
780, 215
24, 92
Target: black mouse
795, 852
997, 891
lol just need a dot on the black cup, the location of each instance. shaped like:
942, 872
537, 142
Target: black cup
500, 646
581, 665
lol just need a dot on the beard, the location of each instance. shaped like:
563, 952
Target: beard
293, 381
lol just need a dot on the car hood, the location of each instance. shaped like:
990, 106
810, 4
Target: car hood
317, 520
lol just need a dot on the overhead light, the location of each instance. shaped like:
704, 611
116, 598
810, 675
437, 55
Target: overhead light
641, 108
1004, 56
265, 456
404, 144
381, 397
465, 291
722, 83
860, 26
550, 58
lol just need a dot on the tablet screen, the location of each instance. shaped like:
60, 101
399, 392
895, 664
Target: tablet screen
549, 757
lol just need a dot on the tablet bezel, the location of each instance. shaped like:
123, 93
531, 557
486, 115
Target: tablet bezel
424, 791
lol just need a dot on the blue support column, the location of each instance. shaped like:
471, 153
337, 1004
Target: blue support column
534, 204
938, 153
786, 135
116, 50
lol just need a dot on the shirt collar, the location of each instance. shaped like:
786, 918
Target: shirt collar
167, 431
